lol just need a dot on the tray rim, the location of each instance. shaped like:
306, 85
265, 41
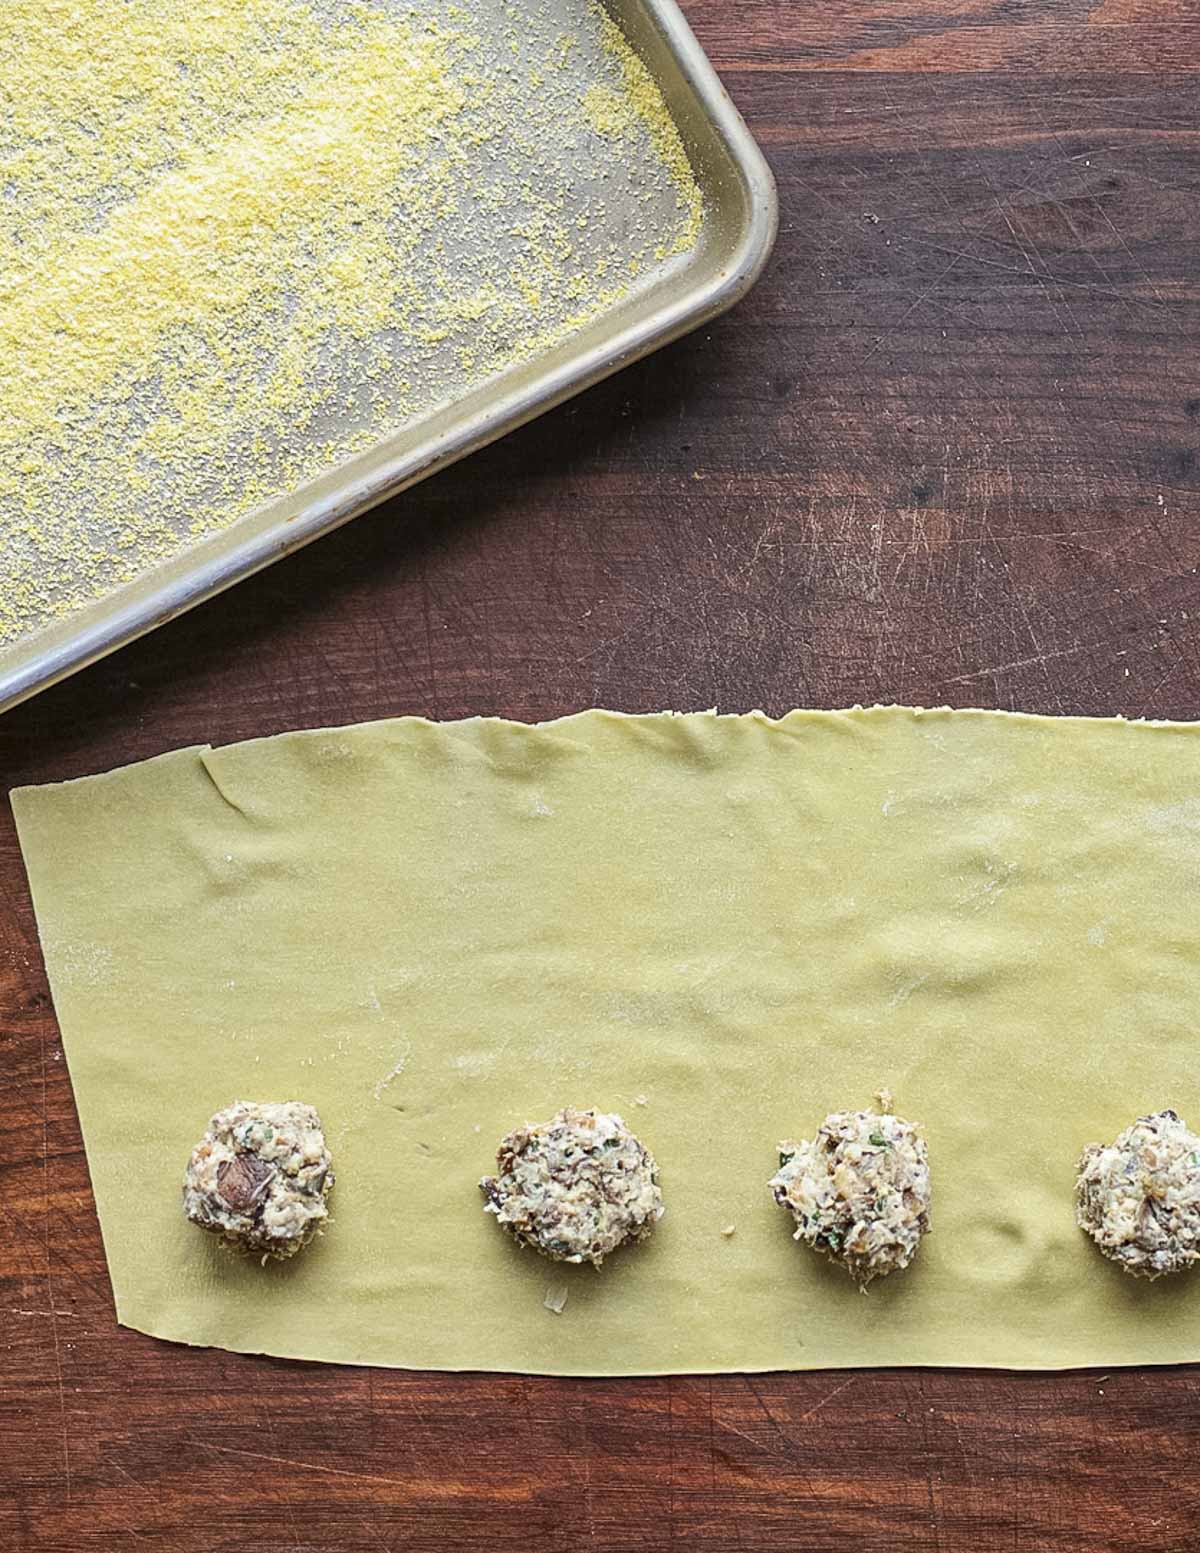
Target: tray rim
695, 305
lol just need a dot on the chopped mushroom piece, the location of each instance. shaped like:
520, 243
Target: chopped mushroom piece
576, 1187
1139, 1197
859, 1191
259, 1177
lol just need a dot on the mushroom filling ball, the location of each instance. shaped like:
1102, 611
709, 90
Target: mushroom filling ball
259, 1177
1139, 1198
574, 1188
859, 1191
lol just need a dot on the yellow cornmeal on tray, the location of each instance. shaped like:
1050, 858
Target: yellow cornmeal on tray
241, 240
612, 110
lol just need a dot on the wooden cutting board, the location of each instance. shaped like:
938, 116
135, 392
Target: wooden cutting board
946, 452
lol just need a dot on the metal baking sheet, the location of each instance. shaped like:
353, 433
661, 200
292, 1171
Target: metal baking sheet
572, 160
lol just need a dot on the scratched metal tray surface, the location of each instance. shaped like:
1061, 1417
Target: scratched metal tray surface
473, 367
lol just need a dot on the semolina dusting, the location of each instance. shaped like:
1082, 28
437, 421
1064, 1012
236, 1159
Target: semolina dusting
242, 240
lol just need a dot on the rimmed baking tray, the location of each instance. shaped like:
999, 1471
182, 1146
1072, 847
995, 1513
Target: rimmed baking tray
734, 239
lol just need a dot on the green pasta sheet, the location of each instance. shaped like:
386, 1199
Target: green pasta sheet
720, 927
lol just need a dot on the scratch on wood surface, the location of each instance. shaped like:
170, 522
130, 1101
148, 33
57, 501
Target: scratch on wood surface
1032, 661
141, 1487
729, 1497
804, 1417
789, 1447
1039, 277
727, 1428
752, 1387
910, 309
712, 1456
671, 1458
442, 1488
427, 618
935, 1515
289, 1510
126, 1525
1116, 231
934, 1519
313, 1397
58, 1368
30, 1236
1039, 656
1089, 287
1168, 675
836, 1392
1084, 193
585, 1457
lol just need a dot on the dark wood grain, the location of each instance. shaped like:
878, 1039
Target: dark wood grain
946, 452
